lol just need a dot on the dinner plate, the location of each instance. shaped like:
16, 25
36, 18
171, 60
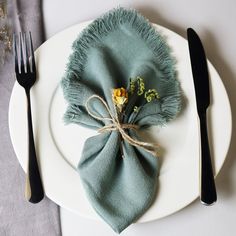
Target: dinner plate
59, 146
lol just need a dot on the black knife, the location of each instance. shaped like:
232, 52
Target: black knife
201, 84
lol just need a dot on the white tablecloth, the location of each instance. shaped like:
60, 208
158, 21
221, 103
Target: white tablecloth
215, 23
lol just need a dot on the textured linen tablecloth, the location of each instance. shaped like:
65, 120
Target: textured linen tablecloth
18, 216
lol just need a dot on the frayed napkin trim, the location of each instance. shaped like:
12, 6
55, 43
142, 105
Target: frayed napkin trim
94, 33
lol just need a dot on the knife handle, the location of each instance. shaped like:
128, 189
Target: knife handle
208, 189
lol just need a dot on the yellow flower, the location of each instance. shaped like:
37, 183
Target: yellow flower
120, 96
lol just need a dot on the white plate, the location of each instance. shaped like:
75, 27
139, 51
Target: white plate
59, 147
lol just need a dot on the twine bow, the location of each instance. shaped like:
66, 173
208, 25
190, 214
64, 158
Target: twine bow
116, 125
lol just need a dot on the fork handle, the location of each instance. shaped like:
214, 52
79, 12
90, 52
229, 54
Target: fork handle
34, 189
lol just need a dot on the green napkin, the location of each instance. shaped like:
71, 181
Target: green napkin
120, 49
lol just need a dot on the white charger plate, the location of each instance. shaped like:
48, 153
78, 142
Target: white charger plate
59, 147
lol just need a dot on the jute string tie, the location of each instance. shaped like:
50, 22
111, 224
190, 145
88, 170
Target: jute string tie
116, 125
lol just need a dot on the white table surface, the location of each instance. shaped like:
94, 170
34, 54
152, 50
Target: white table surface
214, 20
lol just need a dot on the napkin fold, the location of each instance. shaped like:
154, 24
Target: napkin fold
120, 179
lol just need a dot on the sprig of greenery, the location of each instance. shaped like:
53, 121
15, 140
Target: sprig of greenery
151, 94
138, 85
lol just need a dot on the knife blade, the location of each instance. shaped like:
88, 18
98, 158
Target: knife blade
200, 74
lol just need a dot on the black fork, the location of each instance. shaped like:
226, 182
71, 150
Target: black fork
25, 70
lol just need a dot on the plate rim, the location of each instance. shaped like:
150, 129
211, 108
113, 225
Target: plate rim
161, 27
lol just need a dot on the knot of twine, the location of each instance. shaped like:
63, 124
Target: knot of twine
116, 125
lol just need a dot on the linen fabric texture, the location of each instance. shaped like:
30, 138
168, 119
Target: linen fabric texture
17, 215
118, 46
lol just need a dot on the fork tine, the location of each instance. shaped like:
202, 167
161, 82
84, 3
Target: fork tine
32, 53
22, 63
15, 52
27, 54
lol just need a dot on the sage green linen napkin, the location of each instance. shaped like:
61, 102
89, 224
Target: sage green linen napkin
120, 179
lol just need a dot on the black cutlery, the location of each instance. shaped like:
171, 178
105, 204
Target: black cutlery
201, 83
25, 71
